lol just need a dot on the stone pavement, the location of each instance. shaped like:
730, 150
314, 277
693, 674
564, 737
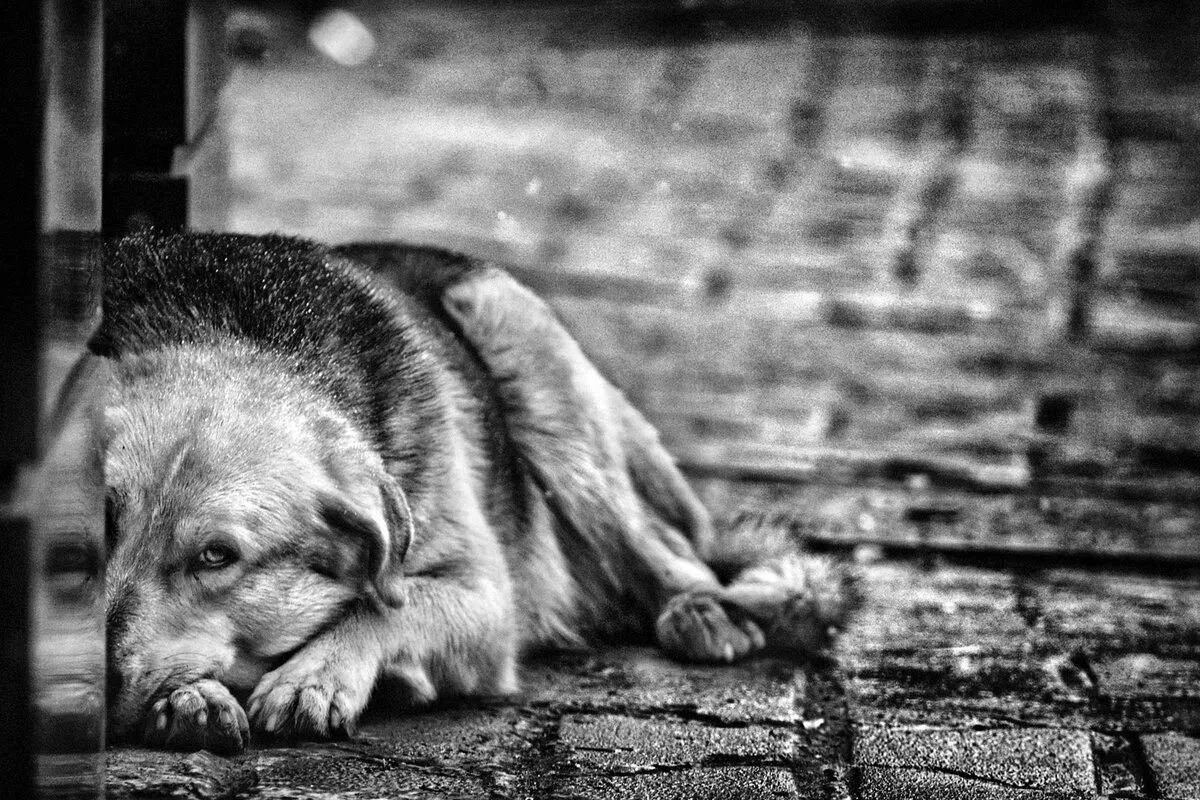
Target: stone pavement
955, 681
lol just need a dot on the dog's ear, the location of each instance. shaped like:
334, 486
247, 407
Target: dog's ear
399, 521
382, 535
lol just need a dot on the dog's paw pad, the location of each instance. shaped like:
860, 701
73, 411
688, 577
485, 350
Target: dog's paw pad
696, 627
291, 703
198, 716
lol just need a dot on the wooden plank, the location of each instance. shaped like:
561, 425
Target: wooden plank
823, 466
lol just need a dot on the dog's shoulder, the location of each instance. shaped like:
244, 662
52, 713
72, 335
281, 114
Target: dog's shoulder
421, 276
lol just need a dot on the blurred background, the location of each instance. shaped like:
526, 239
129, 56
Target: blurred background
944, 243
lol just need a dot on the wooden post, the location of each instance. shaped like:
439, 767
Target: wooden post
20, 151
145, 114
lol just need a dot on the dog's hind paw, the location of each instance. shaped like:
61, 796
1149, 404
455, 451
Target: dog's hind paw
310, 698
694, 626
198, 716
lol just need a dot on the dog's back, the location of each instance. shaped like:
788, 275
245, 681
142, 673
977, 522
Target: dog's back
422, 275
362, 340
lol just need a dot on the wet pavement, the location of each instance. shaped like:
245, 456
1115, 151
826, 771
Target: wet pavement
954, 681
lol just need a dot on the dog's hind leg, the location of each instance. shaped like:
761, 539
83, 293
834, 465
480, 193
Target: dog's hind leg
546, 380
622, 507
658, 480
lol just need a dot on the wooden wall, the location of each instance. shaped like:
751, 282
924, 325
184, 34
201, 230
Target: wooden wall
847, 245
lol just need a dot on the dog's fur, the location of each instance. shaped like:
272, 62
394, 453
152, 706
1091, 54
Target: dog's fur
332, 467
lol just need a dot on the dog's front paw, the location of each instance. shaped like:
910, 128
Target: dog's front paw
311, 697
696, 627
198, 716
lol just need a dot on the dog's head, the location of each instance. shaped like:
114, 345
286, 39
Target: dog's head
243, 518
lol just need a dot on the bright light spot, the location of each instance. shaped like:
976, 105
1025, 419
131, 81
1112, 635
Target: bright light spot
533, 187
866, 156
341, 37
507, 228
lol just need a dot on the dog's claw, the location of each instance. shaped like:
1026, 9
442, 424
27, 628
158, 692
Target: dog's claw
159, 715
271, 724
336, 723
200, 715
310, 698
697, 627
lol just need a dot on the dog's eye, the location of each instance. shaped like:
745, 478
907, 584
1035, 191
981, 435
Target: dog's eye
216, 556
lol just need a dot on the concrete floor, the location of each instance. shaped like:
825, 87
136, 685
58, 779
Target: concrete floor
954, 681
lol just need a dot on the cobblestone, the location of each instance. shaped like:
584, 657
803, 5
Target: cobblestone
323, 771
733, 783
1174, 760
952, 682
642, 679
610, 743
1015, 763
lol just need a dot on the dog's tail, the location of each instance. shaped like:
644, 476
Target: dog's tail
800, 600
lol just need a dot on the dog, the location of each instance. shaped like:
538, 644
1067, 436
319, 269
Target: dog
329, 468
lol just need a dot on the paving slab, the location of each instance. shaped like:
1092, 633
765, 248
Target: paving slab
611, 743
956, 646
466, 735
627, 717
1115, 613
641, 680
1174, 760
134, 772
951, 645
883, 784
728, 783
953, 682
944, 609
451, 752
325, 772
1007, 763
1137, 638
